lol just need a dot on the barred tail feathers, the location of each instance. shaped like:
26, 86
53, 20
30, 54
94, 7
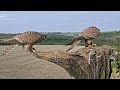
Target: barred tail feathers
12, 41
73, 45
7, 50
72, 41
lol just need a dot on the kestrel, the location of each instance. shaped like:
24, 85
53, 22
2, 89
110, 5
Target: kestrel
28, 39
87, 35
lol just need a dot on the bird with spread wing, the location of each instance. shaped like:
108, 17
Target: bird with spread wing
86, 35
27, 40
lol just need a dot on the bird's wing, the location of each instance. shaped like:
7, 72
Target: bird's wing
74, 42
73, 45
12, 41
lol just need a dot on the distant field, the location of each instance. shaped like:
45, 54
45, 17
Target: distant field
6, 36
19, 64
57, 38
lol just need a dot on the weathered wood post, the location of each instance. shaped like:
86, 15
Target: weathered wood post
85, 63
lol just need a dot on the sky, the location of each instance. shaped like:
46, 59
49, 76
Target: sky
58, 21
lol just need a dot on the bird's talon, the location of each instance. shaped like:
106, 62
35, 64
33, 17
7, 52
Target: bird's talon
34, 51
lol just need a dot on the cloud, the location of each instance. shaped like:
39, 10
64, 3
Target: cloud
5, 17
9, 19
2, 16
52, 25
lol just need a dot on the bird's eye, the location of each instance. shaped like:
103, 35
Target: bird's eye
44, 36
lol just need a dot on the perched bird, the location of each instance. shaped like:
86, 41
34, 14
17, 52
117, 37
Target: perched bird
28, 39
87, 35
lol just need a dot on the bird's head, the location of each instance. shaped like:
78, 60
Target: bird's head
44, 37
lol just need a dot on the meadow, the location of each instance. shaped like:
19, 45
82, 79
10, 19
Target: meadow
57, 38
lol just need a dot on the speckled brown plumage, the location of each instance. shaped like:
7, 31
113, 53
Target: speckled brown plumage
28, 39
87, 35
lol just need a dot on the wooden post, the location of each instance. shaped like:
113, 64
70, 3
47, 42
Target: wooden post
85, 63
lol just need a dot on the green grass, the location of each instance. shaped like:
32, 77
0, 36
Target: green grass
54, 39
6, 36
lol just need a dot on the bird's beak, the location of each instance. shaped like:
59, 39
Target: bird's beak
45, 36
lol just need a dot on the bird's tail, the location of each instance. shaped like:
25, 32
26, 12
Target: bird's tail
7, 50
11, 41
73, 43
74, 40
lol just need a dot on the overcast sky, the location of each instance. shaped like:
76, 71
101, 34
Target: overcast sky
58, 21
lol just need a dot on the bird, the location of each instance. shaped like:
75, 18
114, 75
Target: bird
27, 40
86, 35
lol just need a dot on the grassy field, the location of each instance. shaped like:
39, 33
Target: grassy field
6, 36
108, 38
19, 64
